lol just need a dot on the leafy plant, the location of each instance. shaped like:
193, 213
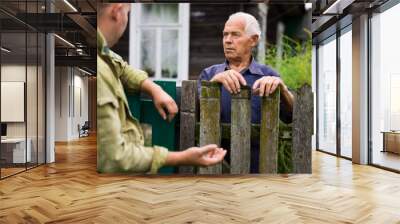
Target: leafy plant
294, 65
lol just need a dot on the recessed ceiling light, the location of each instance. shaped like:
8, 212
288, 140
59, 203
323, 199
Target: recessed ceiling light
64, 40
338, 6
5, 50
70, 5
84, 71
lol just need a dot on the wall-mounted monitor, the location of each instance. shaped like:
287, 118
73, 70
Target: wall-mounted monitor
3, 129
12, 101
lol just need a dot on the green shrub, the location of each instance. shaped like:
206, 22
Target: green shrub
294, 66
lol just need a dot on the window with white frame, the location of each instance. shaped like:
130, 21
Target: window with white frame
159, 40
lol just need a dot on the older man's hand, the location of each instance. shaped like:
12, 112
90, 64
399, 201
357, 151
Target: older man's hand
267, 85
230, 79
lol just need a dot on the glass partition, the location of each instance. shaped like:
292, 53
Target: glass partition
14, 153
385, 89
327, 95
346, 92
22, 88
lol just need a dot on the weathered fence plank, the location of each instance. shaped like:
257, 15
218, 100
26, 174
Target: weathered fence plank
226, 131
302, 130
269, 133
189, 96
188, 120
210, 132
240, 132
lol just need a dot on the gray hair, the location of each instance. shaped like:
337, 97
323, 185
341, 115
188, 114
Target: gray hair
252, 27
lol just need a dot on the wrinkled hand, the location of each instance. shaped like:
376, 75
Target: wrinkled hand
230, 79
204, 156
165, 105
267, 85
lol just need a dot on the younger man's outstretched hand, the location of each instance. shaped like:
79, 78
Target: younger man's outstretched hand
198, 156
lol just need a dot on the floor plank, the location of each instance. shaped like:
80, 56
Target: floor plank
71, 191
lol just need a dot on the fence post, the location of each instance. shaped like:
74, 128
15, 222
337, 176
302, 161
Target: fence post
240, 131
188, 119
210, 132
302, 129
269, 133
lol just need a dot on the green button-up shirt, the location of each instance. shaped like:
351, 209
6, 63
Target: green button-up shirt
120, 140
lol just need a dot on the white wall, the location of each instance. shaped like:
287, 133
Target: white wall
80, 96
71, 94
62, 80
14, 73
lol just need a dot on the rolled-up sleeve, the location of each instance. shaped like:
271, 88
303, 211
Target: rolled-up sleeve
132, 78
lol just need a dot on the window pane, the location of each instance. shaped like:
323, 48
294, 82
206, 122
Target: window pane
160, 13
346, 94
169, 54
394, 102
385, 88
148, 52
327, 97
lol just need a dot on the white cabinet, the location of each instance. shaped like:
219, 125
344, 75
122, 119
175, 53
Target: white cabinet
17, 146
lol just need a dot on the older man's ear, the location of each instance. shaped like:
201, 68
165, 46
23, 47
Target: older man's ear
254, 40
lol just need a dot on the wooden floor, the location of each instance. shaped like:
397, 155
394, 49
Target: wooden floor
387, 159
70, 191
10, 171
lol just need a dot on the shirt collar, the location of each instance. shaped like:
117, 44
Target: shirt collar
254, 67
101, 43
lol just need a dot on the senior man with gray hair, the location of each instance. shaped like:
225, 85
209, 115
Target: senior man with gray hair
240, 35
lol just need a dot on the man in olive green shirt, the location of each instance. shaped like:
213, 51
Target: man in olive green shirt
120, 138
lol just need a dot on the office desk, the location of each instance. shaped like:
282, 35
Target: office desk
13, 150
391, 141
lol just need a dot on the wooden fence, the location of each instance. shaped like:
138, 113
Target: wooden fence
241, 131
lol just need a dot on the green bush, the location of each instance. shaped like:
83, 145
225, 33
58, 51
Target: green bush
294, 66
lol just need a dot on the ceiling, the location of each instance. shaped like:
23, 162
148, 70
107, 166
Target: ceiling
21, 21
327, 13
